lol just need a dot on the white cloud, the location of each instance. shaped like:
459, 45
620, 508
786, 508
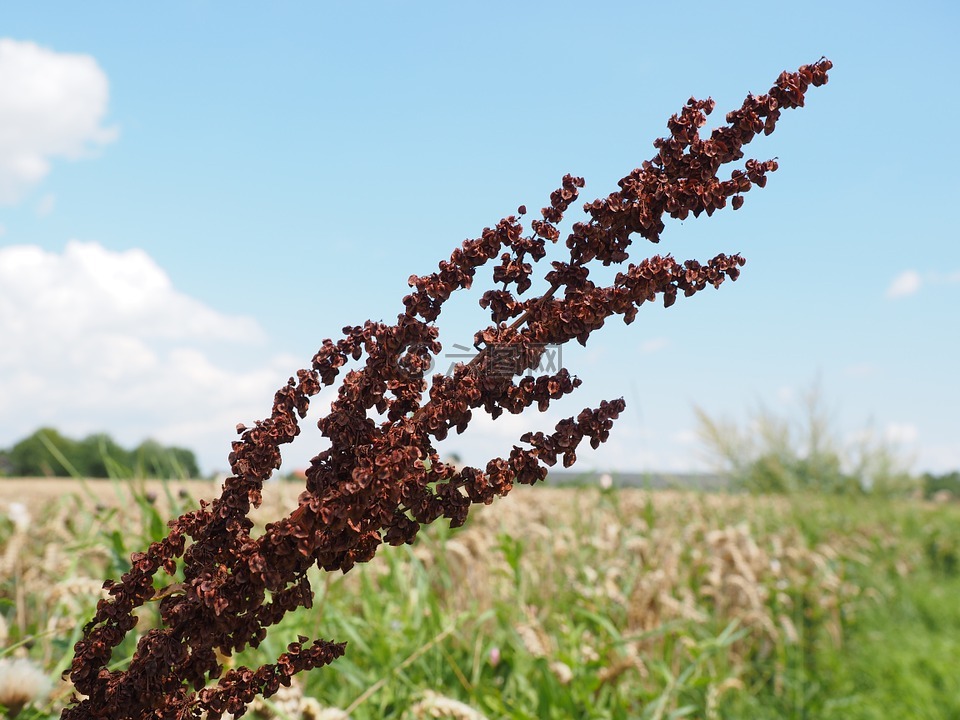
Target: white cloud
52, 105
101, 340
906, 283
89, 289
910, 282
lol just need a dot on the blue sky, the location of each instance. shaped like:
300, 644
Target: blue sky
190, 201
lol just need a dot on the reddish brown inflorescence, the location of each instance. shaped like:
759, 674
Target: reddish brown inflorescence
382, 479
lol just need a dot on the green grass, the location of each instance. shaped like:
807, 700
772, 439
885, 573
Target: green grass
901, 643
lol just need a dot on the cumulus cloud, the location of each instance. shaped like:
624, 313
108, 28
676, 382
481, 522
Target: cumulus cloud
100, 340
52, 105
906, 283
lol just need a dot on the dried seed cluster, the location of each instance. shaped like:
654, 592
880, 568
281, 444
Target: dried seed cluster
381, 479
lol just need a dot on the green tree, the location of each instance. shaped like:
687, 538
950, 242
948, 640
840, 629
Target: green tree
153, 460
948, 483
99, 456
45, 453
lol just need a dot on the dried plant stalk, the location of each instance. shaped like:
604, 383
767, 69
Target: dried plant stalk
380, 480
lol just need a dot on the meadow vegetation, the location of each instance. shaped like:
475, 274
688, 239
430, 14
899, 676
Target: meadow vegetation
556, 604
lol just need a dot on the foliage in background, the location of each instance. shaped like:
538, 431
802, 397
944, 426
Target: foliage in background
941, 487
47, 453
778, 454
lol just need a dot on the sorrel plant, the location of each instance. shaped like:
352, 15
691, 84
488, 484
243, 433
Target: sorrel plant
381, 477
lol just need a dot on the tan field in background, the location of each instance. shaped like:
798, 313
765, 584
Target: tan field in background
37, 493
280, 498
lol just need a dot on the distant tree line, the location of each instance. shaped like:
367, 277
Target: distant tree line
47, 453
945, 486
